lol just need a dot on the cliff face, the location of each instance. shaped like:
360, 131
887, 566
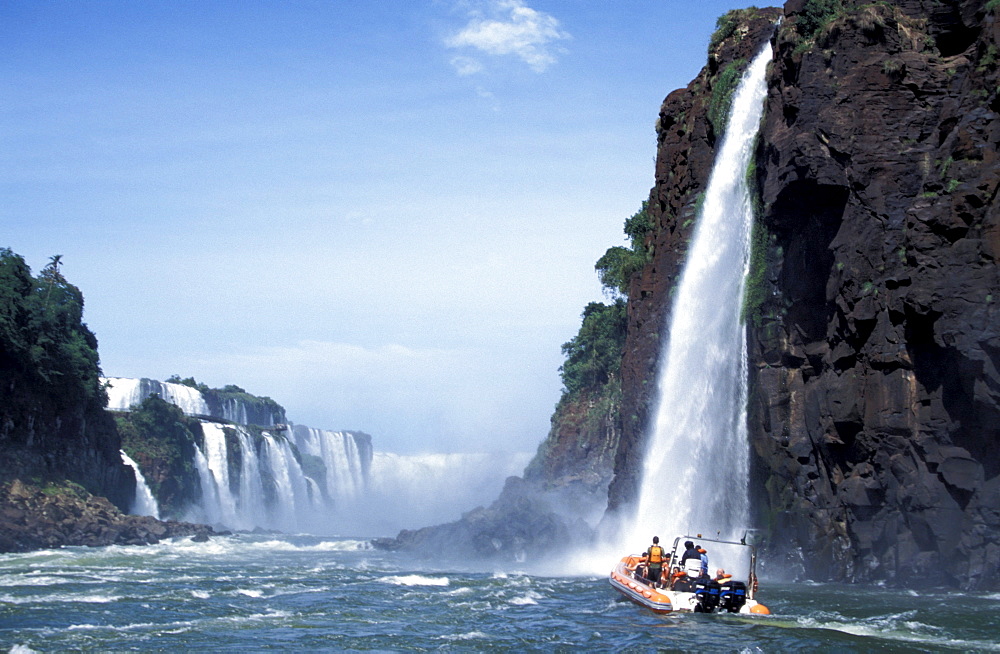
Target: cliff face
874, 356
872, 303
688, 131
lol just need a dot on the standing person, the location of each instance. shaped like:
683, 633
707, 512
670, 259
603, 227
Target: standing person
654, 559
703, 555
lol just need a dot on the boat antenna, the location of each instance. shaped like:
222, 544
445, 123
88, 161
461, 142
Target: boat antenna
743, 541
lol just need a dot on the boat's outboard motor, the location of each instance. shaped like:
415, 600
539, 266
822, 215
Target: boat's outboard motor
707, 593
733, 597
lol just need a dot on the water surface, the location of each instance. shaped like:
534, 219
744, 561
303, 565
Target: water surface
308, 593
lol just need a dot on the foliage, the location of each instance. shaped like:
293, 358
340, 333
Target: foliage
816, 14
755, 290
187, 381
722, 95
162, 440
617, 266
594, 355
727, 24
42, 334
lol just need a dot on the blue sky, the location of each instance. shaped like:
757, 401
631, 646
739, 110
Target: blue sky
384, 215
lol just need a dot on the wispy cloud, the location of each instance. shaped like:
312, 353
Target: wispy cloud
509, 27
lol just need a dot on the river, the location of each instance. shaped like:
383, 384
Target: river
310, 593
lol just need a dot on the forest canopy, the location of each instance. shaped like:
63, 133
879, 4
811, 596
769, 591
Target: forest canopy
42, 334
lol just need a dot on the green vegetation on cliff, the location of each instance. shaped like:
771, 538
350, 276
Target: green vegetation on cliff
594, 355
616, 268
161, 440
218, 396
42, 334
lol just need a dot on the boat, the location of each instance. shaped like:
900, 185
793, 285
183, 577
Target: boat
684, 588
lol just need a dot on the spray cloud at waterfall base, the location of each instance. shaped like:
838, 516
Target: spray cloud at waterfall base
696, 465
299, 479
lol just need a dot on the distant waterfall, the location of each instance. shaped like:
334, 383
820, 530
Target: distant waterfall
123, 393
695, 472
345, 467
144, 503
250, 481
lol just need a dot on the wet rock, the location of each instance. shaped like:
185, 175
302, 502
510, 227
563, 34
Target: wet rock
64, 515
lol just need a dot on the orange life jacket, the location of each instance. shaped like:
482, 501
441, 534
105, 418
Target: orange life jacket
655, 554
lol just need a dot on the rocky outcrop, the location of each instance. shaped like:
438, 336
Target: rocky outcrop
65, 514
875, 355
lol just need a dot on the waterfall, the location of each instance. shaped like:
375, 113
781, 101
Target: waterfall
695, 471
220, 504
124, 393
144, 503
259, 480
209, 510
345, 472
293, 500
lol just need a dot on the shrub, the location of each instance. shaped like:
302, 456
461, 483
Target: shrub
722, 95
816, 14
617, 266
594, 355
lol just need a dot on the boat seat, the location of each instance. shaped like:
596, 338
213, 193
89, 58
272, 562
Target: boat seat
693, 568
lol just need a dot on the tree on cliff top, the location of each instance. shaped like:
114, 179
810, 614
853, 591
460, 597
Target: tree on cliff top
42, 334
594, 355
616, 268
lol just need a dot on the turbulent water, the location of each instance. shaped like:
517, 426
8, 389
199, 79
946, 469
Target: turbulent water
700, 425
250, 593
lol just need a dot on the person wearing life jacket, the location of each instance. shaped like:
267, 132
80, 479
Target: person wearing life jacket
723, 577
703, 555
654, 558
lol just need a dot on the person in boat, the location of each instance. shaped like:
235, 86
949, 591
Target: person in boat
703, 556
654, 558
723, 577
690, 552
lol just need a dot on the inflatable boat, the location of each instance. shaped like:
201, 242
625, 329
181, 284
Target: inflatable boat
686, 587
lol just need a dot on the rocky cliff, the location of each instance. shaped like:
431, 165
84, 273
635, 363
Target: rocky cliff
876, 345
871, 302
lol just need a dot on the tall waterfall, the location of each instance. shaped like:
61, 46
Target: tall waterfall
695, 472
144, 503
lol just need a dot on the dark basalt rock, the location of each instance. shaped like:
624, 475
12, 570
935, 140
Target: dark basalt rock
875, 403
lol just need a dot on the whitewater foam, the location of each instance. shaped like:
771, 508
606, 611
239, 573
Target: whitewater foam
416, 580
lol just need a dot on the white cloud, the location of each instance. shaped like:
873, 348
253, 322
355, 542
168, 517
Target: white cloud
513, 29
466, 65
